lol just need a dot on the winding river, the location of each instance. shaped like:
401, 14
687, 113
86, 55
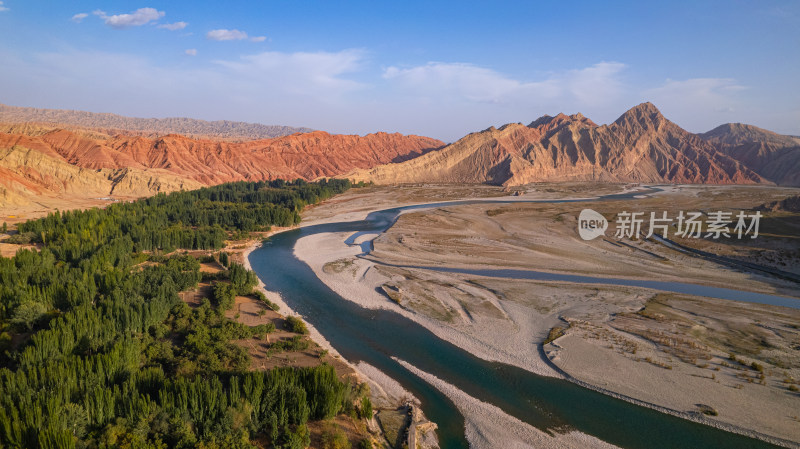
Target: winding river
375, 336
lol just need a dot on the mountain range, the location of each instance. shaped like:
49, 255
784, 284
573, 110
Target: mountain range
640, 146
54, 163
114, 124
82, 158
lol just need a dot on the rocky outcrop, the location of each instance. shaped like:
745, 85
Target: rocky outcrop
27, 175
790, 204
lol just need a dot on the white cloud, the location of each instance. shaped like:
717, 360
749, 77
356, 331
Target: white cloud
338, 91
141, 16
700, 103
299, 73
299, 89
702, 89
473, 97
226, 35
173, 26
258, 38
458, 81
79, 17
598, 84
3, 8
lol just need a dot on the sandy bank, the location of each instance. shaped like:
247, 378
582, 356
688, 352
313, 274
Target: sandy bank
488, 426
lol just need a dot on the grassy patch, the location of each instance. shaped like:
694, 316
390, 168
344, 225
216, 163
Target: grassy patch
555, 333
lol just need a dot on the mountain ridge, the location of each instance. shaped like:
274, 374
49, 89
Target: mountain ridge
640, 146
115, 124
771, 155
174, 162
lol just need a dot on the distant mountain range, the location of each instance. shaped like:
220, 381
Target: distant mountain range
89, 160
640, 146
113, 124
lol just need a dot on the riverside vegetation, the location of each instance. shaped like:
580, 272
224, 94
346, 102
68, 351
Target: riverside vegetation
99, 351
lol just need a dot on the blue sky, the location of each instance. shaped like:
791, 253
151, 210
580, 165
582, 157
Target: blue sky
441, 69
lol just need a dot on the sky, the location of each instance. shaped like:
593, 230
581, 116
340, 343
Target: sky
439, 69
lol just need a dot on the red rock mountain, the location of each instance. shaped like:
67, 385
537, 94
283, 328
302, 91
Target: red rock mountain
773, 156
58, 161
640, 146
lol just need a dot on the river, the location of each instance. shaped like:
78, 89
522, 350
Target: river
375, 336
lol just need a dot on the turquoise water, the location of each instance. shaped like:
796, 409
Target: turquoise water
374, 336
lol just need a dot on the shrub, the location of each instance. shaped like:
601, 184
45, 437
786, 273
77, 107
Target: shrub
554, 334
708, 410
335, 438
22, 238
263, 298
262, 330
296, 343
296, 325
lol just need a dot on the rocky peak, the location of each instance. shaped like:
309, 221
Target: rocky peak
644, 115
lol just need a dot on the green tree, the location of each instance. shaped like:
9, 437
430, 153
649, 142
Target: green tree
122, 361
224, 295
27, 314
365, 411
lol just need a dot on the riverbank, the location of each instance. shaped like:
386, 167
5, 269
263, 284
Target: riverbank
363, 281
486, 425
385, 393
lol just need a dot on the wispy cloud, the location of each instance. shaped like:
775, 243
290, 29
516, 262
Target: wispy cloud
141, 16
226, 35
472, 96
78, 18
302, 73
468, 82
258, 38
700, 102
339, 91
173, 26
3, 8
701, 88
305, 89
